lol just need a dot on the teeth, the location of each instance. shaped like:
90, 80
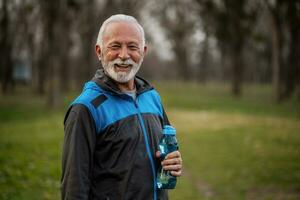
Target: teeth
122, 65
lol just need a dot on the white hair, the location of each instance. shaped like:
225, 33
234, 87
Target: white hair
119, 18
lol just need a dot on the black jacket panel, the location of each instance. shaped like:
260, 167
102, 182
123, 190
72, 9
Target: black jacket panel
78, 150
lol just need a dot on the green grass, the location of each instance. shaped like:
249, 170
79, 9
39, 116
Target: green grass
256, 99
246, 148
234, 156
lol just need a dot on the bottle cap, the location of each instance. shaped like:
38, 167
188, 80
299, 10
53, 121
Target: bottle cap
169, 130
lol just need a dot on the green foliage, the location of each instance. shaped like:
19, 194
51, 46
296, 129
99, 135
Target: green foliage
232, 148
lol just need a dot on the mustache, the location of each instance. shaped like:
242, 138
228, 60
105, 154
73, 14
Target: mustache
118, 61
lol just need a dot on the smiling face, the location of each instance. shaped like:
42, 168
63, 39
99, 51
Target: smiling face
122, 52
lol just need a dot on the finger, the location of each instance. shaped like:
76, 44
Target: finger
157, 154
172, 161
174, 154
176, 173
172, 167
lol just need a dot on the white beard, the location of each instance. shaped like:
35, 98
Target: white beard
121, 77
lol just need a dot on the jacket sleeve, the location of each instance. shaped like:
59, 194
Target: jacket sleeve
77, 153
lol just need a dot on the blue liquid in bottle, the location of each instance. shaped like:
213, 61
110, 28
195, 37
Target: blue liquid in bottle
168, 144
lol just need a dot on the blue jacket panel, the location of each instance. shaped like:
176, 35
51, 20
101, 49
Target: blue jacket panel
116, 107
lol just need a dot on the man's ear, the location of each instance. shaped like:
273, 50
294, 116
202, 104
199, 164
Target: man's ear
145, 50
98, 51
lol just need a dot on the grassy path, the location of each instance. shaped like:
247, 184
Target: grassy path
237, 156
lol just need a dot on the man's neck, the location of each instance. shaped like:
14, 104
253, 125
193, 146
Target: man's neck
128, 86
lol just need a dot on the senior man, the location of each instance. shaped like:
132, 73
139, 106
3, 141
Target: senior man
112, 129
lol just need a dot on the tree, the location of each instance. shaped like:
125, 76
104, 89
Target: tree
178, 21
292, 75
276, 34
285, 19
230, 21
55, 47
6, 63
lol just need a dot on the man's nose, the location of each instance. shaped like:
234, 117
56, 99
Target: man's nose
123, 55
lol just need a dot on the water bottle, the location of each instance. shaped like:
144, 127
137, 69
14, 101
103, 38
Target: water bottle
168, 144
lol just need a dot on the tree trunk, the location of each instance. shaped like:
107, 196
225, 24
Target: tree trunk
54, 18
237, 66
183, 65
42, 67
202, 70
293, 65
54, 88
292, 74
276, 54
88, 29
181, 60
6, 62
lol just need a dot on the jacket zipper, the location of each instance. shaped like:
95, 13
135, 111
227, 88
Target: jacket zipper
147, 148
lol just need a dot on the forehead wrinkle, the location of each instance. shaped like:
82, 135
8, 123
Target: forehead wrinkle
135, 37
116, 41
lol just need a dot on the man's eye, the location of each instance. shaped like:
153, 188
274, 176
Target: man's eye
132, 47
115, 46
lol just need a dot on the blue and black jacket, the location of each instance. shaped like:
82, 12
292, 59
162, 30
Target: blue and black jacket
110, 143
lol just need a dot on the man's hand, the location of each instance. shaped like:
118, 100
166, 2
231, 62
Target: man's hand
172, 162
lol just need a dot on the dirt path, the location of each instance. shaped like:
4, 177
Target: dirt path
202, 187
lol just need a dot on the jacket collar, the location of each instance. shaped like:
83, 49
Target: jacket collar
109, 85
